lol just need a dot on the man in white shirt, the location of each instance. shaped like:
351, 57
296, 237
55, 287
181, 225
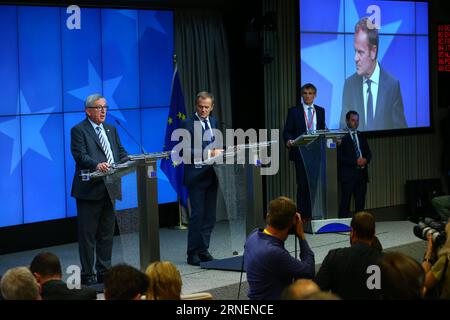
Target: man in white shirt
353, 155
301, 119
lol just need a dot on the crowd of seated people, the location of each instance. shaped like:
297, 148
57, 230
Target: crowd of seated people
359, 271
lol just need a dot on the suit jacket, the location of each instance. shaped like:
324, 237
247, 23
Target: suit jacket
389, 113
296, 126
87, 153
346, 155
344, 272
58, 290
205, 175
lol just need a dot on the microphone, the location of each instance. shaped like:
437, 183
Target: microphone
132, 138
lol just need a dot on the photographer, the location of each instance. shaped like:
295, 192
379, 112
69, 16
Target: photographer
270, 267
437, 274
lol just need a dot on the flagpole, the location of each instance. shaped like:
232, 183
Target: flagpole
180, 225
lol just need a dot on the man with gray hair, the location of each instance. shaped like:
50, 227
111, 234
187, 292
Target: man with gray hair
19, 284
201, 180
95, 145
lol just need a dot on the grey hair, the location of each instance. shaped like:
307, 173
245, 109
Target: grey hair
204, 95
19, 284
90, 100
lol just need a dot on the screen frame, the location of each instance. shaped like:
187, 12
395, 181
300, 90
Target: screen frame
120, 5
432, 76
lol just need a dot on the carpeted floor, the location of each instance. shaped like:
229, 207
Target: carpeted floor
230, 292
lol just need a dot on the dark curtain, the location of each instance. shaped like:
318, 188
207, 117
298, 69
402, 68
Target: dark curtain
202, 55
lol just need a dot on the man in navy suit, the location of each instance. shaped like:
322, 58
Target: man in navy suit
201, 180
353, 155
95, 145
372, 91
301, 119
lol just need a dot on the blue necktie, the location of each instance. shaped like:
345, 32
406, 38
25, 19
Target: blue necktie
370, 114
310, 118
105, 148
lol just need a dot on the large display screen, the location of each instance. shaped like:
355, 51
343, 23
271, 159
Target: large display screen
389, 54
48, 68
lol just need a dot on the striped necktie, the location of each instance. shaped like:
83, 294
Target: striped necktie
355, 144
105, 148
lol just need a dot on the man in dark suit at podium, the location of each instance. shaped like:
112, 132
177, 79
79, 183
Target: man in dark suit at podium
353, 155
95, 145
201, 180
300, 119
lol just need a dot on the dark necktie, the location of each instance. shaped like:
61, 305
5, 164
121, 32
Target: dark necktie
208, 131
105, 148
355, 144
370, 114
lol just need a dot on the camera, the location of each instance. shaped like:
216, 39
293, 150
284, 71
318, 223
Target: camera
433, 227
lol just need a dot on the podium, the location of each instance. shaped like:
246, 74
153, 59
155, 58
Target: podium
143, 218
239, 173
319, 154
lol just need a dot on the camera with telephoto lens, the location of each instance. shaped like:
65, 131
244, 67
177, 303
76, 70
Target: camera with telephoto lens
433, 227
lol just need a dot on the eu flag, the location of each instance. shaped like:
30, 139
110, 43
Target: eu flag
177, 113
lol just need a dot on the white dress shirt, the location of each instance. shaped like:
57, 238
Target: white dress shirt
355, 134
314, 113
375, 77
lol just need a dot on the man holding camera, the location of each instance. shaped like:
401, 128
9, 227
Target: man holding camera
437, 272
270, 267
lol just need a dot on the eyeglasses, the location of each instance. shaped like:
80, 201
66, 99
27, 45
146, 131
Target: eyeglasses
99, 108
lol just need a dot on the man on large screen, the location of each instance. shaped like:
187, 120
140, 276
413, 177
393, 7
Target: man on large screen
371, 90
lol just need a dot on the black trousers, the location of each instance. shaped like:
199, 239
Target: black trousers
96, 223
203, 200
356, 187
